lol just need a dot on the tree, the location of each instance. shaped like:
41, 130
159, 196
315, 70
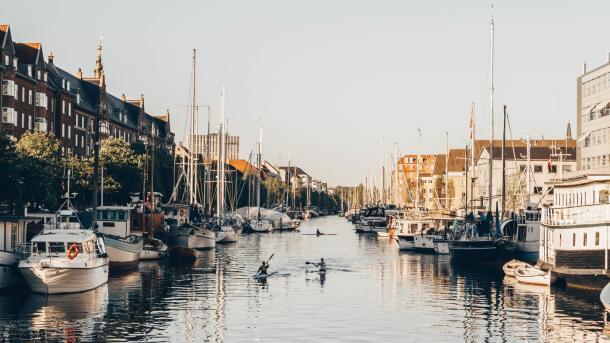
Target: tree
40, 169
9, 172
122, 173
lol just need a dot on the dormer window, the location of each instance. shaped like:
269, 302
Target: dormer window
68, 85
38, 75
30, 70
45, 76
6, 60
15, 62
78, 98
63, 83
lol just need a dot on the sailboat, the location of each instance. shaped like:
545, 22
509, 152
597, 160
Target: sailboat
65, 257
226, 231
260, 224
190, 230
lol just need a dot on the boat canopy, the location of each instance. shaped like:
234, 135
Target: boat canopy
64, 235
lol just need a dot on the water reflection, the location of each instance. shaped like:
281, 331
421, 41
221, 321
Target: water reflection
371, 292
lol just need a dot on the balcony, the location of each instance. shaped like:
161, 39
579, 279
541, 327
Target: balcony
588, 214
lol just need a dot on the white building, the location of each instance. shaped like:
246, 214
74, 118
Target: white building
544, 167
200, 144
593, 119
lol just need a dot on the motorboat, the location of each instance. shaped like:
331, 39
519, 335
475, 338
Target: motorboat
65, 258
407, 228
510, 266
425, 242
193, 237
261, 225
123, 246
533, 276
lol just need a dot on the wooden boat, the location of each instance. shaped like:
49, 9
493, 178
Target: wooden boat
533, 276
604, 296
510, 266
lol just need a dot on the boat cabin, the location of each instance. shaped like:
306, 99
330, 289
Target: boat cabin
574, 229
14, 232
114, 220
66, 244
179, 213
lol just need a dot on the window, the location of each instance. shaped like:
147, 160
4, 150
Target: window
76, 120
537, 190
29, 97
584, 239
69, 109
39, 248
63, 129
22, 94
6, 60
40, 124
57, 247
82, 141
14, 244
597, 238
76, 139
63, 106
574, 239
553, 169
45, 76
69, 132
23, 120
15, 62
30, 70
537, 169
9, 115
41, 99
559, 240
8, 88
38, 74
29, 122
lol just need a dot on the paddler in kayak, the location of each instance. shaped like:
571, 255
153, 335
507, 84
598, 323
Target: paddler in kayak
263, 268
318, 232
321, 266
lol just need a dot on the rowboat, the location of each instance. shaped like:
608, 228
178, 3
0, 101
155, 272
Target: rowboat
533, 276
510, 266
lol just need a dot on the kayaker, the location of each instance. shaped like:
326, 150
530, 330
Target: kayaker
321, 266
263, 268
318, 232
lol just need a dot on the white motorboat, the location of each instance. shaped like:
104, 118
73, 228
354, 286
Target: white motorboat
193, 237
405, 242
65, 259
425, 243
261, 225
533, 276
227, 234
604, 296
123, 247
510, 266
407, 228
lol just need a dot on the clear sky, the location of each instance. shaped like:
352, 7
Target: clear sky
329, 78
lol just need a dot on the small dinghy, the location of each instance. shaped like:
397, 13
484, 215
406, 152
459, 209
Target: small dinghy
533, 276
510, 266
604, 296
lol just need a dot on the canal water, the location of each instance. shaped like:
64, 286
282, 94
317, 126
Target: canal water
371, 293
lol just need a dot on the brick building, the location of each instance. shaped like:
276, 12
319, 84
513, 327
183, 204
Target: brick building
37, 95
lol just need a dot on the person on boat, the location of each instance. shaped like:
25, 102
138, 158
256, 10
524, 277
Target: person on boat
263, 268
321, 266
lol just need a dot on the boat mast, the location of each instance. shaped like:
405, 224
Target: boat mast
447, 170
258, 171
503, 165
220, 186
492, 95
288, 182
396, 174
417, 170
192, 166
529, 171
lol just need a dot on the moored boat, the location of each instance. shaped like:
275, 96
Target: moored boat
533, 276
65, 258
193, 237
509, 267
153, 249
123, 247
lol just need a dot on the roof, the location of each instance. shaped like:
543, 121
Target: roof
27, 52
63, 235
536, 153
439, 164
242, 166
457, 160
3, 32
295, 169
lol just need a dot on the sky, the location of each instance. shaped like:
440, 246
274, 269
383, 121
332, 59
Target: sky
330, 79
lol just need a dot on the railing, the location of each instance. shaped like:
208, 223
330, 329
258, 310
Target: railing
588, 214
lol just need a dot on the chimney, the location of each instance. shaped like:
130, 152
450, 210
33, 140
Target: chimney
142, 101
50, 57
79, 73
123, 98
584, 68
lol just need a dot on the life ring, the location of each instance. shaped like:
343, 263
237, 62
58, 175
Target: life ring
73, 251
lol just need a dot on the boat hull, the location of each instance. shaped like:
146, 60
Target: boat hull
194, 238
441, 247
153, 253
262, 226
64, 280
424, 244
405, 243
227, 235
477, 252
9, 274
123, 254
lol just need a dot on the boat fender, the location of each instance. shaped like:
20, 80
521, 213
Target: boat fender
73, 251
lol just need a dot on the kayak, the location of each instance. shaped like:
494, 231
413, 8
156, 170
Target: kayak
319, 234
262, 275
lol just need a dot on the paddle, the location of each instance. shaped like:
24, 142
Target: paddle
270, 257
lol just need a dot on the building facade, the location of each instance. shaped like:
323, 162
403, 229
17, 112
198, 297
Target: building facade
37, 95
593, 119
200, 145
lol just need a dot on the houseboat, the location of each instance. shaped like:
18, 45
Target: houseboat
123, 246
13, 234
574, 231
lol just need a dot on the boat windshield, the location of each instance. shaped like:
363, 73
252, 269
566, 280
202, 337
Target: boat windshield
57, 247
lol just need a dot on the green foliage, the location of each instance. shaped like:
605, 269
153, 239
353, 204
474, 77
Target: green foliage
122, 170
40, 169
9, 172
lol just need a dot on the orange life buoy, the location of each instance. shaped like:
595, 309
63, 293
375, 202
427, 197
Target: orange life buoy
73, 251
